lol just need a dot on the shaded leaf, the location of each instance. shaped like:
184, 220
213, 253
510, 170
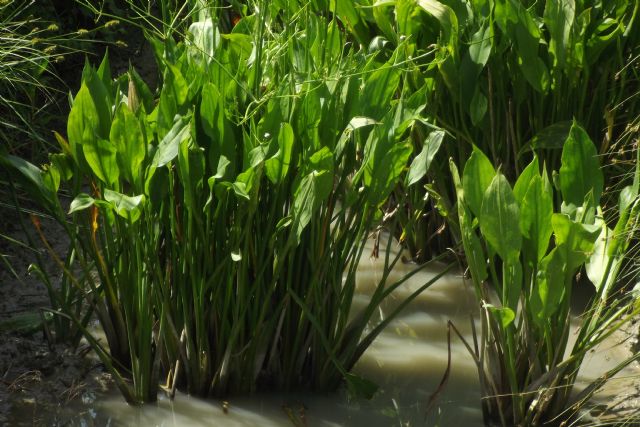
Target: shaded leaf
476, 178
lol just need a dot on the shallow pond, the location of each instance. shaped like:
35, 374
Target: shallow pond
407, 361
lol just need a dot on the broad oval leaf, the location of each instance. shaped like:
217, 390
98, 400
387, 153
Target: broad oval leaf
80, 202
576, 240
549, 286
580, 172
205, 37
101, 157
447, 19
480, 47
379, 89
354, 124
472, 246
478, 106
421, 163
559, 19
126, 135
31, 177
309, 195
476, 178
128, 207
504, 315
83, 123
216, 126
277, 167
499, 220
524, 180
536, 210
168, 147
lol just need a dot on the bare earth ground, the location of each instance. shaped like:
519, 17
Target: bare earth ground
40, 384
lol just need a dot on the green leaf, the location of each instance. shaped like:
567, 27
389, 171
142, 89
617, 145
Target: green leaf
277, 167
101, 157
126, 206
421, 163
354, 124
536, 210
580, 172
168, 147
205, 37
313, 190
447, 19
522, 184
51, 177
80, 202
600, 265
350, 16
217, 127
240, 190
480, 47
499, 220
536, 72
378, 90
381, 14
191, 169
30, 177
505, 315
104, 71
383, 168
520, 28
82, 124
100, 91
142, 90
470, 241
478, 107
549, 287
307, 200
551, 137
247, 183
575, 240
559, 18
173, 97
476, 177
126, 136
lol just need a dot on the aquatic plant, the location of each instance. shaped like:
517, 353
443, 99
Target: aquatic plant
507, 76
523, 257
225, 222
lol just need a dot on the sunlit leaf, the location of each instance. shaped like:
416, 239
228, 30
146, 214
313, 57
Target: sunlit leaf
476, 178
580, 172
421, 163
499, 219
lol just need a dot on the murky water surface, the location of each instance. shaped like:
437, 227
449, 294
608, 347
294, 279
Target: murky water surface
407, 361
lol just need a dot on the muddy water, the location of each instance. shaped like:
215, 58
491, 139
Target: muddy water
407, 361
